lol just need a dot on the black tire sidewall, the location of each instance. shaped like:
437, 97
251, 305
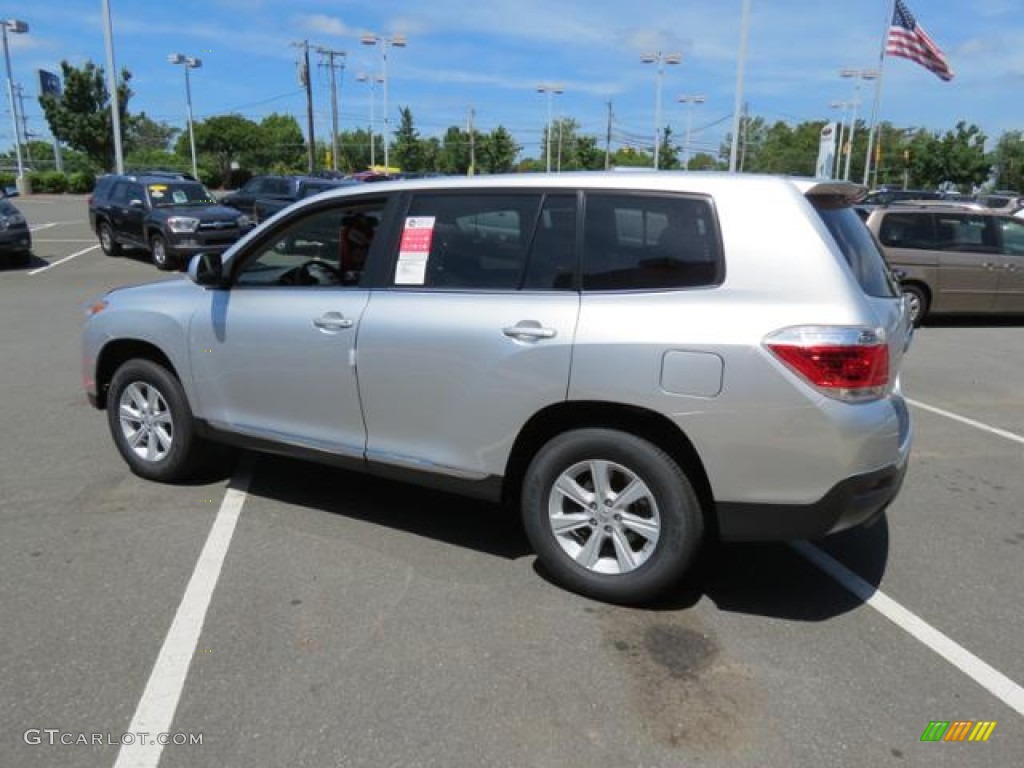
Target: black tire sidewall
179, 461
679, 510
114, 248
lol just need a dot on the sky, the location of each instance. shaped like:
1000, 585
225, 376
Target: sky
489, 56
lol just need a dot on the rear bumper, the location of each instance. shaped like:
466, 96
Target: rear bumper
857, 500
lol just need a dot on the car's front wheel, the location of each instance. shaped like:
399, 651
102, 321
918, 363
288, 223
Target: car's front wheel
610, 515
161, 258
151, 422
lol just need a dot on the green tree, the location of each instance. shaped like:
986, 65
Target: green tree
407, 152
1008, 159
281, 144
496, 151
702, 161
957, 157
142, 133
80, 115
668, 153
221, 141
454, 157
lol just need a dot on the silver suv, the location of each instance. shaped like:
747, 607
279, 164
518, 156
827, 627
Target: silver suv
637, 362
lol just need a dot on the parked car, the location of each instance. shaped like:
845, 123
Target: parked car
168, 215
15, 237
954, 260
635, 362
263, 188
265, 207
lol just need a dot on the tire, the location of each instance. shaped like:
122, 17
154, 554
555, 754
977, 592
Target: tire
161, 258
622, 565
151, 422
109, 245
917, 302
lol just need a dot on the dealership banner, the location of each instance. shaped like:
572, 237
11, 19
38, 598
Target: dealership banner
826, 151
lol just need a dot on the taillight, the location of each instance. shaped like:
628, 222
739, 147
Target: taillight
850, 364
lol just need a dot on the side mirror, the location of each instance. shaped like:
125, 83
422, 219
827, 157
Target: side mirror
899, 275
206, 269
135, 203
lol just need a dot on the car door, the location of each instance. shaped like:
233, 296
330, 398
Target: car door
128, 212
273, 355
473, 334
1010, 293
968, 258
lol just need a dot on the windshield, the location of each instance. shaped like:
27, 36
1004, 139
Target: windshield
164, 195
858, 246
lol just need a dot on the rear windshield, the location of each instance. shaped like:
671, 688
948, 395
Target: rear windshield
857, 245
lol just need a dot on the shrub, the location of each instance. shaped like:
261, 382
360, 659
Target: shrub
81, 182
48, 181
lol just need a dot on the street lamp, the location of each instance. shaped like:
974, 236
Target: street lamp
362, 77
15, 27
858, 75
842, 105
689, 100
188, 63
661, 59
395, 41
550, 89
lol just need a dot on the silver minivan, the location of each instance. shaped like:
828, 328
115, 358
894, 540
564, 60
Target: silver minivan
634, 362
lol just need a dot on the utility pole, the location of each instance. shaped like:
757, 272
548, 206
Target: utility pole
608, 139
472, 141
330, 56
24, 124
306, 80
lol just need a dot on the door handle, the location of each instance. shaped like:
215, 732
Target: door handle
332, 321
528, 330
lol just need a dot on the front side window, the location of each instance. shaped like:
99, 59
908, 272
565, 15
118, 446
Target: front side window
649, 242
1013, 236
329, 247
966, 232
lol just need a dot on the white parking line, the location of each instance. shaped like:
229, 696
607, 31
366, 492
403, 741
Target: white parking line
50, 224
1005, 689
969, 422
159, 701
66, 258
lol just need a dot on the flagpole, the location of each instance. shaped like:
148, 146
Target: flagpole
878, 93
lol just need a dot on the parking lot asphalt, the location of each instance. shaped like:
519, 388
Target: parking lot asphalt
353, 622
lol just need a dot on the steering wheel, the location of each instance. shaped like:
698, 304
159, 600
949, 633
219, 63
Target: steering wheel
317, 272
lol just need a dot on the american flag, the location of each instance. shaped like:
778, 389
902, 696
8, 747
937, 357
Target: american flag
908, 39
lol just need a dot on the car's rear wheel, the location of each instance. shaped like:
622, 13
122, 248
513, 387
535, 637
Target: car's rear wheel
161, 258
151, 422
610, 515
917, 303
109, 245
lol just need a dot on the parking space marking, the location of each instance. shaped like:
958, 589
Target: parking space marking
1012, 436
159, 701
50, 224
1002, 687
66, 258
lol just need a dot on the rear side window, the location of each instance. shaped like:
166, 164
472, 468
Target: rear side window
467, 241
857, 246
966, 232
907, 230
649, 242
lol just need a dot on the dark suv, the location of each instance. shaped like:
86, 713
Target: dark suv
170, 215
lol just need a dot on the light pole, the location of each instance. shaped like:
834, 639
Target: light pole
550, 89
395, 41
689, 100
362, 77
843, 105
661, 59
858, 75
188, 62
15, 27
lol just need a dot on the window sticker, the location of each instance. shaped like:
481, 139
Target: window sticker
414, 250
157, 191
179, 196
